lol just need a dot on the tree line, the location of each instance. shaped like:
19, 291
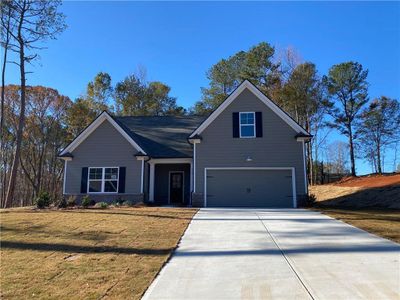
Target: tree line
337, 100
37, 122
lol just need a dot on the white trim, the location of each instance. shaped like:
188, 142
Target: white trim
65, 175
103, 180
194, 168
96, 123
294, 195
240, 125
169, 185
191, 178
142, 178
154, 161
261, 96
305, 169
303, 138
142, 157
184, 160
194, 141
66, 158
151, 187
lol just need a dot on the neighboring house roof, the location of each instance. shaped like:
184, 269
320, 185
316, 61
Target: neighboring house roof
273, 106
163, 136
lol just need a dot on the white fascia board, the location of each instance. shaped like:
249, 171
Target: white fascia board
247, 84
187, 160
92, 127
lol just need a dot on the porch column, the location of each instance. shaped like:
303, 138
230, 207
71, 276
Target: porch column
142, 178
151, 192
191, 177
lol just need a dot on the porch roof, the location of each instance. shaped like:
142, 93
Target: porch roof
162, 136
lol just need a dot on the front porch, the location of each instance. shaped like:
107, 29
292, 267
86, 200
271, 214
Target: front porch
170, 181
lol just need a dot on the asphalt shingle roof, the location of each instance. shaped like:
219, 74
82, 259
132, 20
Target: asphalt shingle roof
162, 137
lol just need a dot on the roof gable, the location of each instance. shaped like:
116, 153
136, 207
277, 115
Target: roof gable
252, 88
104, 116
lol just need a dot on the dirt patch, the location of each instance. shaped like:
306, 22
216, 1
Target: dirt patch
357, 197
370, 181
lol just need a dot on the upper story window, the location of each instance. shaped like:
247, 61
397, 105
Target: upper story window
247, 124
103, 180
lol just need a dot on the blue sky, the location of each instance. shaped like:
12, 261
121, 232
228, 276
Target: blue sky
178, 41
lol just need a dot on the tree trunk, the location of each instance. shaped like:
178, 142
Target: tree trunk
2, 121
21, 122
352, 160
378, 157
3, 75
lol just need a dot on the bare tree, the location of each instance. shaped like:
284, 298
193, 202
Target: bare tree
380, 127
36, 21
5, 36
338, 153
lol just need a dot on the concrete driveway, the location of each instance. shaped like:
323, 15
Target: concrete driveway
277, 254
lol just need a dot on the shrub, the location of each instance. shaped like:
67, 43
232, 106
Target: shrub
62, 203
71, 201
119, 201
127, 203
310, 200
42, 200
86, 202
101, 205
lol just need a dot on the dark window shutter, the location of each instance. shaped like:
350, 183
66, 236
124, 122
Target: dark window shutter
259, 124
121, 180
84, 180
235, 124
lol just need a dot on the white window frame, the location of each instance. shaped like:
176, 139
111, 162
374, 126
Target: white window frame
102, 180
242, 125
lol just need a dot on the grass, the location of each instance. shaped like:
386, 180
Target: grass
382, 222
86, 254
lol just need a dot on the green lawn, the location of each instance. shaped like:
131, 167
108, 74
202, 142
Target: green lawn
86, 254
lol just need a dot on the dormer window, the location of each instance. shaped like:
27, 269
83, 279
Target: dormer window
247, 125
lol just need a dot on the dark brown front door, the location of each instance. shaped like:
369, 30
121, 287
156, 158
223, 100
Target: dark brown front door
176, 187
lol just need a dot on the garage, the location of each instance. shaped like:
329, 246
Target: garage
256, 187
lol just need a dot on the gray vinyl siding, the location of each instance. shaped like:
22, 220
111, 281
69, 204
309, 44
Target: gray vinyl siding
277, 148
161, 184
104, 147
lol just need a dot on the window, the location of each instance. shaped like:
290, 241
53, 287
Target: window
247, 125
103, 180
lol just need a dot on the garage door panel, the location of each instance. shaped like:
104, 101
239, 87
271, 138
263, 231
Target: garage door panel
249, 188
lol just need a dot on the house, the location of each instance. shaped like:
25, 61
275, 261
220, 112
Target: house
247, 153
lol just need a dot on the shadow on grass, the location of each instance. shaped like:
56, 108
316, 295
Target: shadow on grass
355, 248
116, 212
375, 198
82, 249
48, 232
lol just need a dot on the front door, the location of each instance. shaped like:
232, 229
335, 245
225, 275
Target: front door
176, 187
